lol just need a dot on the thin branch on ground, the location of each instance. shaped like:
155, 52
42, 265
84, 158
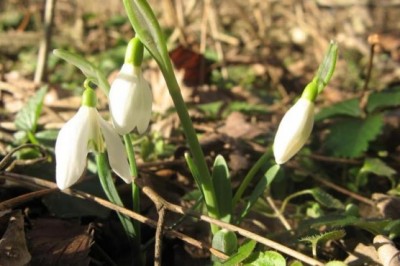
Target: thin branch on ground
45, 41
12, 203
343, 190
279, 214
159, 235
155, 197
35, 183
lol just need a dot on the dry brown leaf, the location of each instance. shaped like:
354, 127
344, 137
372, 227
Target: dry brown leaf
58, 242
13, 248
236, 126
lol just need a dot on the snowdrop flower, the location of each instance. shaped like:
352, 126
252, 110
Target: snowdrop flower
295, 126
87, 131
130, 100
130, 95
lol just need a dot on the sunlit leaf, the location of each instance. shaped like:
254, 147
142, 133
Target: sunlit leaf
326, 199
264, 183
225, 241
243, 253
378, 167
351, 137
346, 108
223, 189
383, 99
194, 170
88, 69
268, 258
28, 116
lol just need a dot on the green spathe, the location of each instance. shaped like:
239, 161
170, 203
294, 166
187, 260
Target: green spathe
89, 97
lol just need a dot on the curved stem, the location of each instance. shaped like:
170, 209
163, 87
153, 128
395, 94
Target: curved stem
288, 198
134, 173
252, 172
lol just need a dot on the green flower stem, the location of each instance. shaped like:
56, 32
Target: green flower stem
32, 138
148, 30
207, 186
134, 173
112, 193
290, 197
250, 175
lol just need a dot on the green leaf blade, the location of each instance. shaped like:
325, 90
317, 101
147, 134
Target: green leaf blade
346, 108
351, 137
379, 100
243, 253
28, 116
326, 199
265, 182
223, 189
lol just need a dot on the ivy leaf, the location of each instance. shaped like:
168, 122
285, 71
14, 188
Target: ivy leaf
383, 99
350, 137
28, 116
347, 108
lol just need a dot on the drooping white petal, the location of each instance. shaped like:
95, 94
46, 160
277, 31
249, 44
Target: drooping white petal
144, 108
72, 148
294, 130
122, 94
116, 151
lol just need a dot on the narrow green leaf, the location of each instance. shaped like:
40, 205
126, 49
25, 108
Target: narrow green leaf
28, 116
88, 69
264, 182
351, 137
327, 67
223, 189
326, 199
243, 253
383, 99
347, 108
195, 172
